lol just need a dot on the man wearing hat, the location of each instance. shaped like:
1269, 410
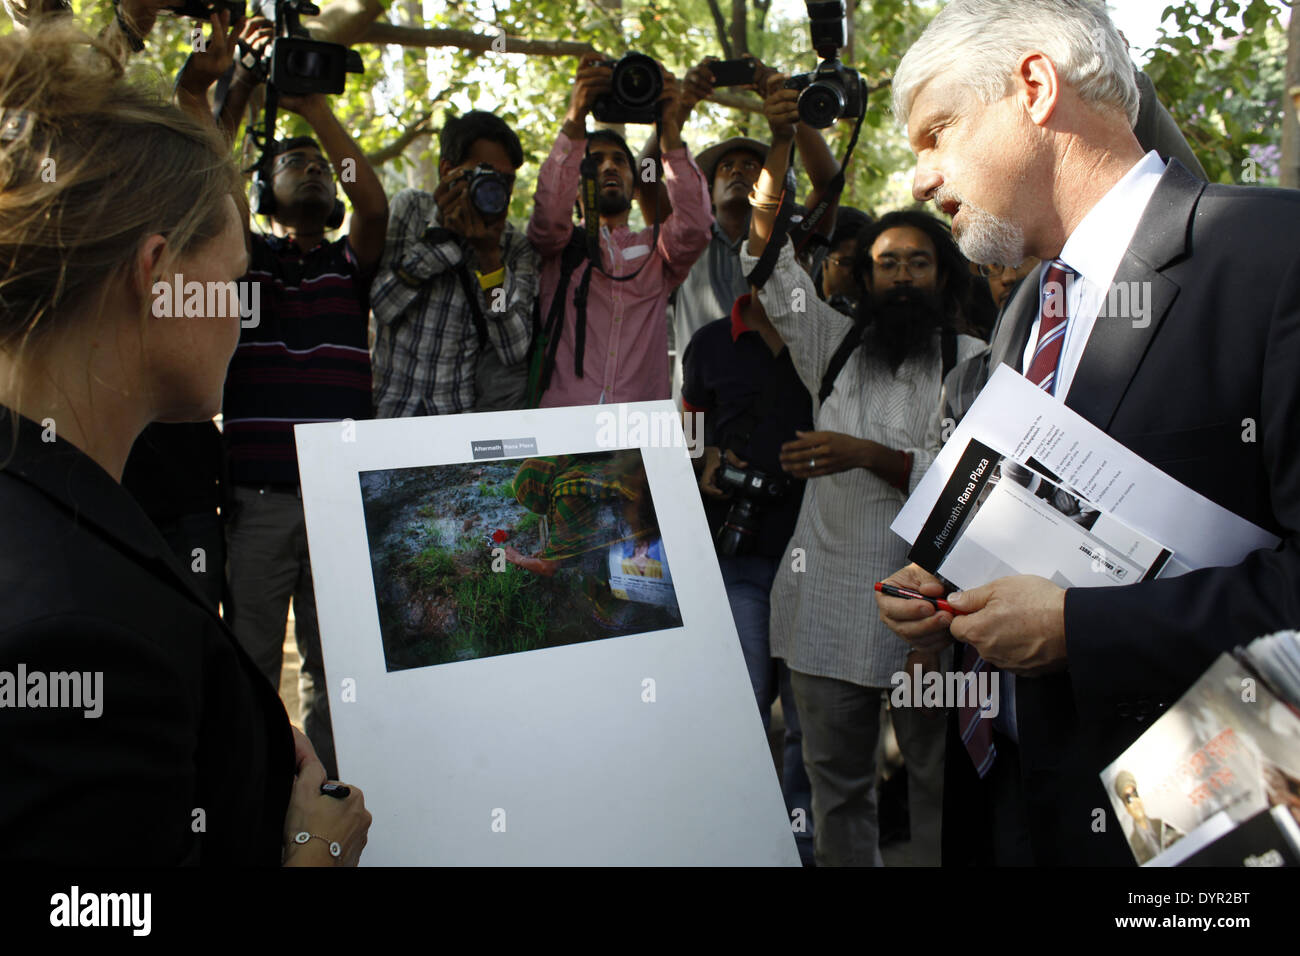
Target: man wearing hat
730, 168
1150, 836
716, 280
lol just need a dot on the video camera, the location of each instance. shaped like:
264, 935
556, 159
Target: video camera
297, 64
752, 490
832, 91
635, 87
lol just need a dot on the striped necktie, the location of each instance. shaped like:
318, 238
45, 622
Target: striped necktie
1054, 317
1052, 323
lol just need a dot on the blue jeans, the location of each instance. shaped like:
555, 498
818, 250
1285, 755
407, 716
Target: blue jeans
748, 579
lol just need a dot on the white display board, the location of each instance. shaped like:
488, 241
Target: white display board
641, 748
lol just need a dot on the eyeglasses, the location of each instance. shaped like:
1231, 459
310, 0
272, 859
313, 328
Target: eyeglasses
842, 262
917, 265
991, 269
302, 161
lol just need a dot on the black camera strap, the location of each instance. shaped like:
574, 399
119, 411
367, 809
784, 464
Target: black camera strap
470, 285
853, 338
591, 213
571, 258
804, 230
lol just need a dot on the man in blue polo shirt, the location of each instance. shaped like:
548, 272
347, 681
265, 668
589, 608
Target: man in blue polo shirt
307, 359
739, 376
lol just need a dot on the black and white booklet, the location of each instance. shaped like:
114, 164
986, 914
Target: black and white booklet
997, 517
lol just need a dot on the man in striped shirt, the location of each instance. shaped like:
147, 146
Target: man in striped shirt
302, 357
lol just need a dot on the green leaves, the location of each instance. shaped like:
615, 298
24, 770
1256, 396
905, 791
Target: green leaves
1224, 87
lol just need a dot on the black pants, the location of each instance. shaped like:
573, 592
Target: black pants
984, 821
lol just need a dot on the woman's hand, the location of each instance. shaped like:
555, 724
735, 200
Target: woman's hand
345, 822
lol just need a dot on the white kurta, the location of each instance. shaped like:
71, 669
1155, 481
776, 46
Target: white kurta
824, 618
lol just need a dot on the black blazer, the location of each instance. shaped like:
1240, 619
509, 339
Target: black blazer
192, 759
1209, 392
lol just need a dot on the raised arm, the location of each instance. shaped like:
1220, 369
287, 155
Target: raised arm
697, 85
685, 234
557, 180
357, 176
204, 67
781, 107
410, 258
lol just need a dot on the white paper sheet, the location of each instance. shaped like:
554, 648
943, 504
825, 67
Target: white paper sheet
643, 749
1018, 419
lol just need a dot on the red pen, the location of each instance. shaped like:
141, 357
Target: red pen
907, 593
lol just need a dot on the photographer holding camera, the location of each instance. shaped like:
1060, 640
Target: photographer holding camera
454, 296
304, 358
739, 375
604, 332
730, 168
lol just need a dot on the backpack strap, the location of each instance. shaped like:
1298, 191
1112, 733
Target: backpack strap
839, 359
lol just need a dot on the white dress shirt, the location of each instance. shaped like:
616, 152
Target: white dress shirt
1094, 250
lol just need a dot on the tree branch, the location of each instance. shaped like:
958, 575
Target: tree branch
421, 127
736, 101
739, 28
720, 25
381, 32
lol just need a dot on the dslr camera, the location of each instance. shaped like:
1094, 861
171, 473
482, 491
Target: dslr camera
752, 491
489, 192
297, 64
832, 91
635, 87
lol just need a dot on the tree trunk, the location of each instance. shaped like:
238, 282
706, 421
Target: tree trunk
739, 31
720, 25
422, 173
1289, 174
847, 54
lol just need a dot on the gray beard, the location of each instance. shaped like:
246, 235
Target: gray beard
985, 238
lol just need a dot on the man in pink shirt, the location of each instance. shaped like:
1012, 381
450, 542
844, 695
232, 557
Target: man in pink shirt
618, 351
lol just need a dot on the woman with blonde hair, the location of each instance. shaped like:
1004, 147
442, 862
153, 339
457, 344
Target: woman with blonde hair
133, 729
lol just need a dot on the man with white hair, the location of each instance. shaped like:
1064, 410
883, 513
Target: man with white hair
1020, 113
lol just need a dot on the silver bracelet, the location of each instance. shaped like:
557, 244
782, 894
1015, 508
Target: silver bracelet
302, 836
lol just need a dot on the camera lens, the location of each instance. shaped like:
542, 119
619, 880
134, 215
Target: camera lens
636, 81
739, 526
489, 195
821, 104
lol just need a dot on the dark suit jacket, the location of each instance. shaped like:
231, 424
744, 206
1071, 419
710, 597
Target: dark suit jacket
188, 724
1222, 351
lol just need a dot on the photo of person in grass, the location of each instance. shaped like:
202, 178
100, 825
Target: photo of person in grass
478, 559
